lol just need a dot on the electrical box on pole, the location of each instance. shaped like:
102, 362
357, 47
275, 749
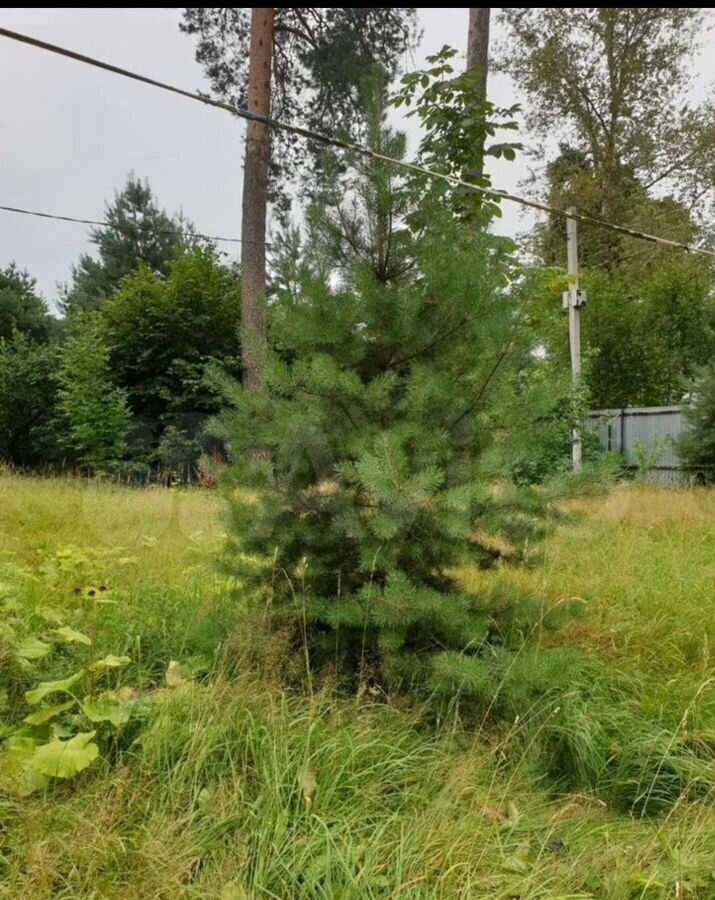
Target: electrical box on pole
573, 299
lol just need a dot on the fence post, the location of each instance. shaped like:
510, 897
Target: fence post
623, 432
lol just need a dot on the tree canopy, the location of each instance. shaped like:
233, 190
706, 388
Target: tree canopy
611, 86
320, 58
137, 231
21, 307
613, 83
163, 333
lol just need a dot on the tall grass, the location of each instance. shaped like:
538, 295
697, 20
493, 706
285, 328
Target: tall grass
641, 561
240, 791
238, 788
152, 549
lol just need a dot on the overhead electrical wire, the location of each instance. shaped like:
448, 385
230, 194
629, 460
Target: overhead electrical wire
130, 226
328, 140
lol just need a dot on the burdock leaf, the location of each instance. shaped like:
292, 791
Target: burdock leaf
33, 648
516, 864
108, 707
64, 759
45, 713
16, 775
72, 637
111, 662
44, 688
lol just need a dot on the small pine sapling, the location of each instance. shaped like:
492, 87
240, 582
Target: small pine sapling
391, 340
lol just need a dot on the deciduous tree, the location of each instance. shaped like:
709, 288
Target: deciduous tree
95, 408
164, 332
612, 82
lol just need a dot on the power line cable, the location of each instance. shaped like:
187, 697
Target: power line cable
311, 135
118, 227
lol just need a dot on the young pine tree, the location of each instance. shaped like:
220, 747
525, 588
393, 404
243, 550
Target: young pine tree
388, 347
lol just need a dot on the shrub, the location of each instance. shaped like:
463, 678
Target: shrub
96, 410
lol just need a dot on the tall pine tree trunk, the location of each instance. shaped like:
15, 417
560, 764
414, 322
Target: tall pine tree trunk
478, 58
255, 199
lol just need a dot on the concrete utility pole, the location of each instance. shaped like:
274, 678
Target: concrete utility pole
255, 199
478, 59
573, 300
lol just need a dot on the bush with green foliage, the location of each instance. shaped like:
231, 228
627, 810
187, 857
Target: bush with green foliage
143, 356
163, 334
95, 409
538, 423
62, 698
28, 399
83, 658
644, 332
21, 307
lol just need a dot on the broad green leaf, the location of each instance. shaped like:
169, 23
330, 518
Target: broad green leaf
111, 662
71, 636
44, 688
33, 648
64, 759
108, 707
57, 730
180, 673
45, 713
16, 775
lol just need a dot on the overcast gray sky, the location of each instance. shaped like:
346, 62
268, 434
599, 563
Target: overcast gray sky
71, 135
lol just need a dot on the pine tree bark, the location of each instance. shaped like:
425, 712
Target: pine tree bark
255, 200
478, 58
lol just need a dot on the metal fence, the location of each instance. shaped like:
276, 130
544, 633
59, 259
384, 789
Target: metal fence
646, 436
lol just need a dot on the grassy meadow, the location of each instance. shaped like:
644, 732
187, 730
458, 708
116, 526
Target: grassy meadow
226, 785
